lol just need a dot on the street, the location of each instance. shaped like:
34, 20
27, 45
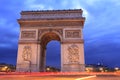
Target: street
58, 76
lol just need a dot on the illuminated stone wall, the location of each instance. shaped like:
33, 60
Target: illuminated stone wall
37, 28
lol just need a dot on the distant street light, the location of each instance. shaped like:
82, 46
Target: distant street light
116, 68
48, 69
101, 69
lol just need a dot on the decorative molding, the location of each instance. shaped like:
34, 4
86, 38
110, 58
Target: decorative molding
72, 33
73, 54
27, 53
28, 34
48, 16
52, 24
60, 31
29, 41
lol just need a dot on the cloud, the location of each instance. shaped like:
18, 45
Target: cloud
9, 34
102, 51
104, 19
8, 23
8, 55
2, 21
101, 32
36, 5
30, 4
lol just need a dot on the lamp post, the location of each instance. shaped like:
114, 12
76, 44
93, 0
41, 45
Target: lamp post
30, 66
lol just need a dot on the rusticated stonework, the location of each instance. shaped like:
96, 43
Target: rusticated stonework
28, 34
27, 53
72, 34
73, 54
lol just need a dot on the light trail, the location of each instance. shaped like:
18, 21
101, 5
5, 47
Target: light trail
85, 77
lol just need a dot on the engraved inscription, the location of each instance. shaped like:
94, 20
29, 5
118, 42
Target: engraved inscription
73, 54
28, 34
27, 53
72, 34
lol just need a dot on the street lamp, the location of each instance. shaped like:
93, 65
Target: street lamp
101, 69
116, 68
48, 69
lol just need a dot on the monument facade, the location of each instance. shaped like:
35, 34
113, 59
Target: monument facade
37, 28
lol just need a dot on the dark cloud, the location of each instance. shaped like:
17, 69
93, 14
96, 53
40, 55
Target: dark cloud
101, 33
8, 55
104, 51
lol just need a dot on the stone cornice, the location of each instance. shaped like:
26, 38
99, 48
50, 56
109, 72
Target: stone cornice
51, 23
54, 19
52, 11
51, 14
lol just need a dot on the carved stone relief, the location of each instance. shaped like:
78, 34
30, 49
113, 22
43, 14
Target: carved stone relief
27, 53
28, 34
51, 15
72, 34
73, 54
60, 31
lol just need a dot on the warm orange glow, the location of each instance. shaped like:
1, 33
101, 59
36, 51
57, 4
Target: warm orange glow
85, 77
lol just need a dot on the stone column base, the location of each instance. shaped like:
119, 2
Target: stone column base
73, 68
26, 68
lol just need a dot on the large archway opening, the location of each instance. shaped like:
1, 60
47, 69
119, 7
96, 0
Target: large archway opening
49, 40
53, 57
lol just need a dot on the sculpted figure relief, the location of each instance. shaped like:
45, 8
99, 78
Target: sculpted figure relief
27, 52
73, 54
28, 34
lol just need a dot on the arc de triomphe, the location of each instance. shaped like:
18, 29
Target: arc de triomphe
37, 28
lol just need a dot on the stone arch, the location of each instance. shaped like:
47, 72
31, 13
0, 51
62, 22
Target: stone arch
37, 28
44, 39
55, 32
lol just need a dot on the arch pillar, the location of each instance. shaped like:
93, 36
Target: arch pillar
28, 58
72, 57
42, 59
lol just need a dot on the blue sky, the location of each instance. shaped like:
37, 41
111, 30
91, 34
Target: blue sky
101, 29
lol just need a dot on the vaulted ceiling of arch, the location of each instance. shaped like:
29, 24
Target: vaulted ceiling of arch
48, 37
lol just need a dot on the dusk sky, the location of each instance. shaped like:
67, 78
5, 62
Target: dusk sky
101, 30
